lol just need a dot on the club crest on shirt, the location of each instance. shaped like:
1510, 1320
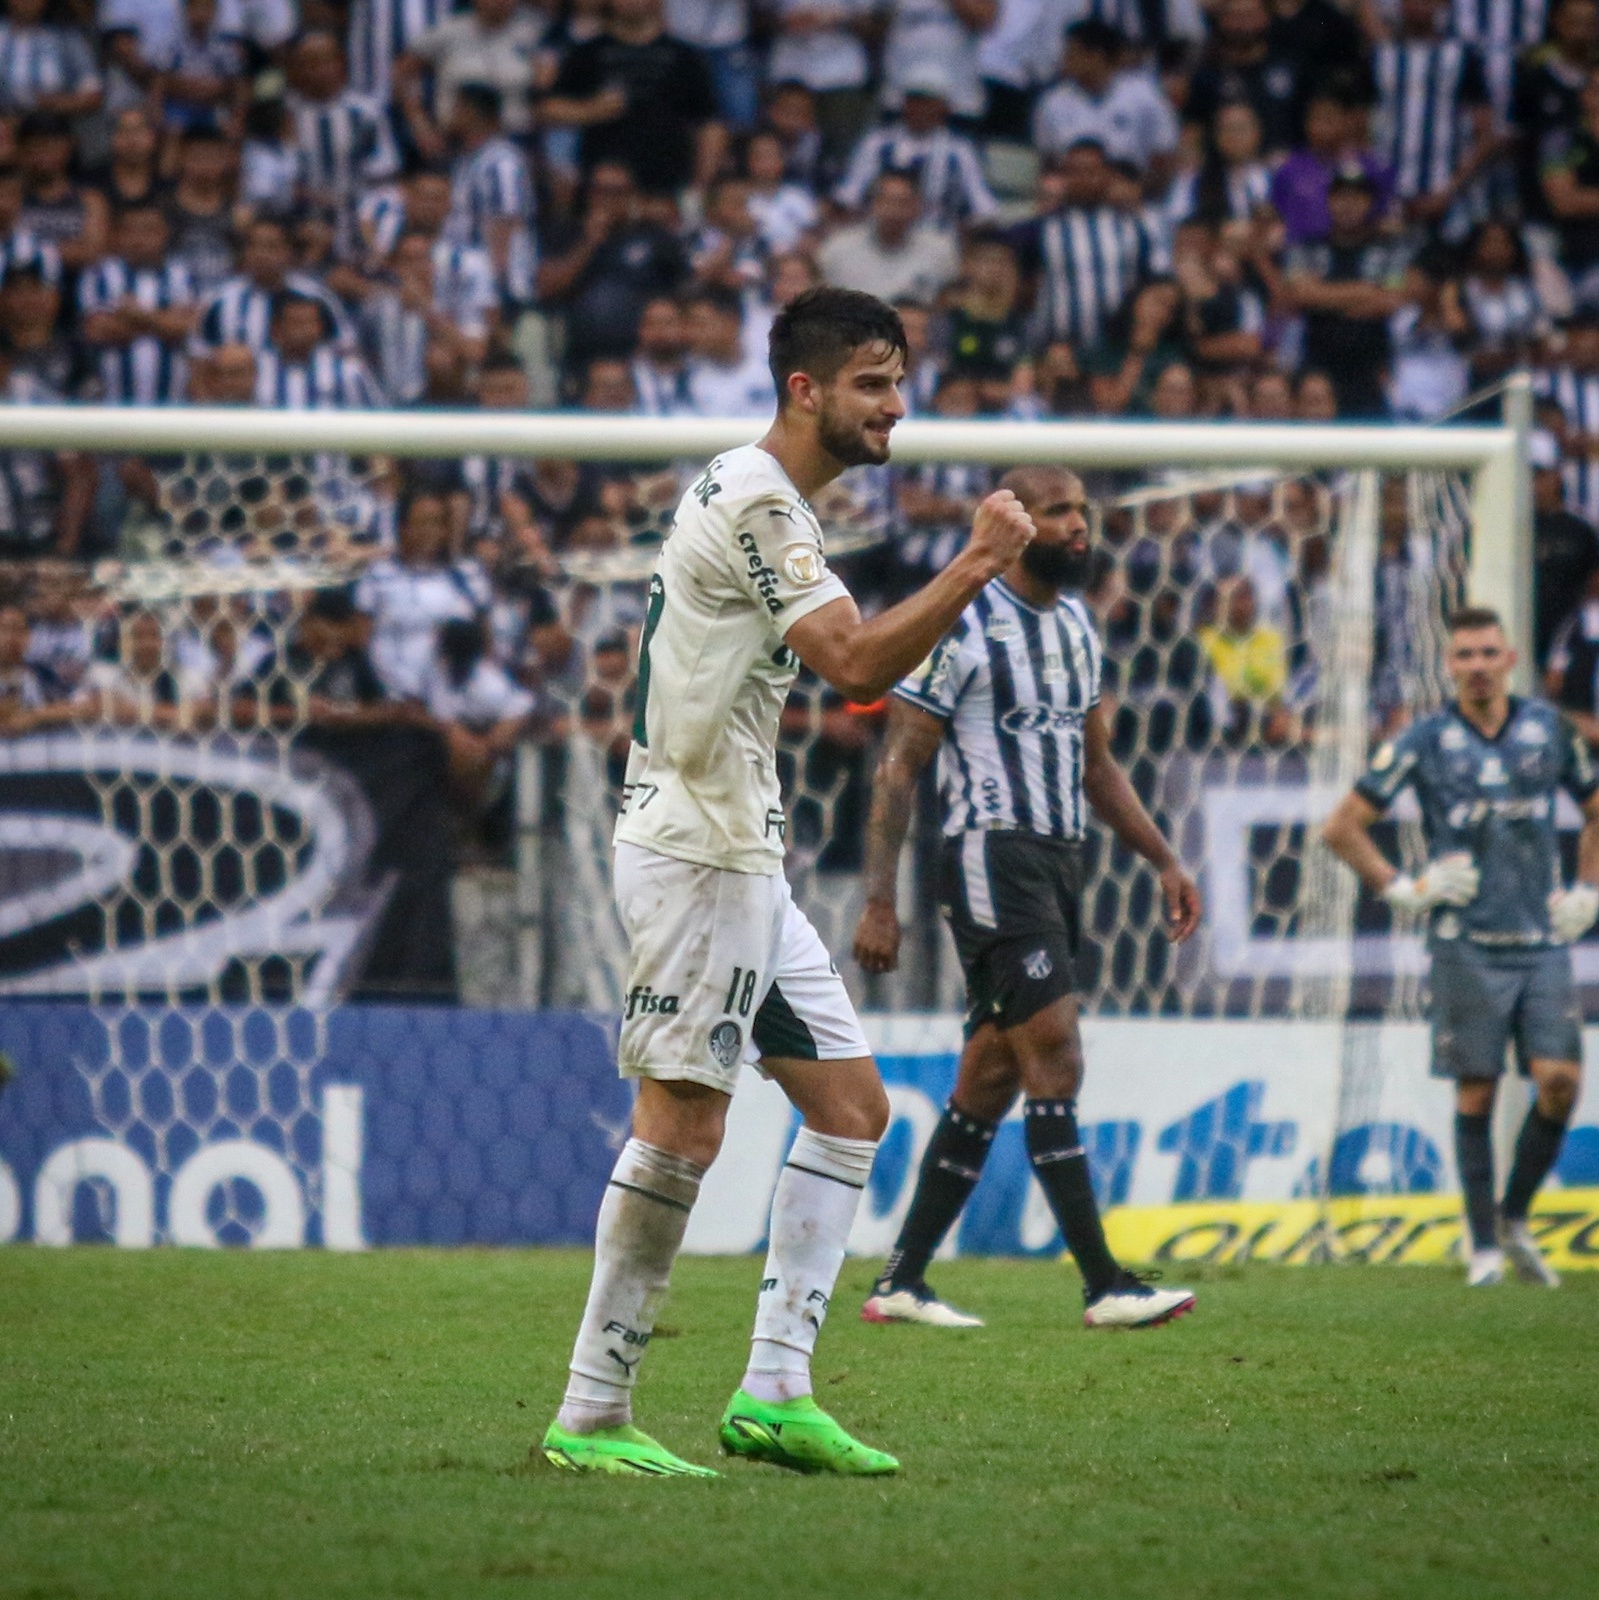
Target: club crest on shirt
1492, 770
1532, 733
1038, 966
1453, 738
726, 1041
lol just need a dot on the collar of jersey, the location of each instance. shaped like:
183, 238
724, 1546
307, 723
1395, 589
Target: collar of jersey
1516, 703
1027, 605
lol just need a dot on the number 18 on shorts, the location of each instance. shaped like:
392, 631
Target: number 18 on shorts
725, 969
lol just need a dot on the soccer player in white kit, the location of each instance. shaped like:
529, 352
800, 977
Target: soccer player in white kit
725, 967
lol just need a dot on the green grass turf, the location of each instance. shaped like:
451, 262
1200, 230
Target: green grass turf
178, 1424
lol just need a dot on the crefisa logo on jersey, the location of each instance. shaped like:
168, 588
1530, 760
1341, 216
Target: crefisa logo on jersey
643, 1001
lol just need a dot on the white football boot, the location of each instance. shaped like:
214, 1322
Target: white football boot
1524, 1256
1485, 1268
914, 1302
1132, 1302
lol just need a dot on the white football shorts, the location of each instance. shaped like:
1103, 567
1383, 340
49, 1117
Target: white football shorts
725, 969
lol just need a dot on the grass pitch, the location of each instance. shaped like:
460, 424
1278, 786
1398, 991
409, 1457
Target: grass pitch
177, 1424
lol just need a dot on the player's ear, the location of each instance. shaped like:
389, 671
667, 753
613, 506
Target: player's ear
802, 392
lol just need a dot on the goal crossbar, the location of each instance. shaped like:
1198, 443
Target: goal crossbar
1494, 456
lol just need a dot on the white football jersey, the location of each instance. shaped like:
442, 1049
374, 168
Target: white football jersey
743, 564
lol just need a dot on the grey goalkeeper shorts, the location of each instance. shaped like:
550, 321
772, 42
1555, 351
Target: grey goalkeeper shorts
1483, 1000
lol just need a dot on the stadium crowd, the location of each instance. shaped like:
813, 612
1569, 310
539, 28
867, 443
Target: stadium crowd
1266, 209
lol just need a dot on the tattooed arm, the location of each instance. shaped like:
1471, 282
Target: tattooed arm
913, 739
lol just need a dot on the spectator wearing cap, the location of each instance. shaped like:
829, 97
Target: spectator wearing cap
43, 67
1242, 63
303, 368
941, 33
344, 138
601, 272
1335, 119
1436, 125
137, 309
726, 378
1085, 257
1565, 547
642, 99
70, 217
894, 253
1124, 112
495, 43
240, 311
921, 143
491, 195
1348, 286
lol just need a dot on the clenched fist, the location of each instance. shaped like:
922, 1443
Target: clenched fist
1001, 530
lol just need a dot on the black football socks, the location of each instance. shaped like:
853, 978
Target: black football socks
1474, 1157
1060, 1164
950, 1170
1537, 1149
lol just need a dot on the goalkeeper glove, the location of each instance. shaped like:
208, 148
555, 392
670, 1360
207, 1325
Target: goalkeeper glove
1449, 881
1571, 911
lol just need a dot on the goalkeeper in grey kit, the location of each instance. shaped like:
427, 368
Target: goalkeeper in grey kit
1486, 771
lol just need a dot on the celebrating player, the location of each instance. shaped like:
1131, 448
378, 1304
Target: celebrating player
1485, 771
1010, 702
724, 965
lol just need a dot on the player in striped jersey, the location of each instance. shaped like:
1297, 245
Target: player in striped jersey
138, 309
1010, 704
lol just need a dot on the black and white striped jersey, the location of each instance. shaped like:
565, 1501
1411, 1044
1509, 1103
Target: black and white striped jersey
145, 371
380, 30
1089, 260
346, 142
946, 165
329, 381
240, 312
1013, 685
1577, 395
1501, 30
35, 62
487, 185
1423, 88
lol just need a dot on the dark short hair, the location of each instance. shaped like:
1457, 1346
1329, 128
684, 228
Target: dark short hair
818, 331
500, 361
1468, 619
719, 297
482, 98
44, 125
1093, 34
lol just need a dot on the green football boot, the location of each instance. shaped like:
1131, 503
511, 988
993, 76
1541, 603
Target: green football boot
797, 1434
625, 1451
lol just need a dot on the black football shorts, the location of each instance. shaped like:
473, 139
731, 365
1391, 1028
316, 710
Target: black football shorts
1013, 904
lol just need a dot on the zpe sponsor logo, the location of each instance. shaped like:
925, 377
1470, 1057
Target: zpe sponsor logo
764, 578
643, 1001
1035, 719
1471, 811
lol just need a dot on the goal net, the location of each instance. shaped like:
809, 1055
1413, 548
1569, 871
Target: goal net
211, 837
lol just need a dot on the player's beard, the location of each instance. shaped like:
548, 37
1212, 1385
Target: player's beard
847, 444
1062, 566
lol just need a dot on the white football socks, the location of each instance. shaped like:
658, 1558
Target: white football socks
642, 1221
813, 1210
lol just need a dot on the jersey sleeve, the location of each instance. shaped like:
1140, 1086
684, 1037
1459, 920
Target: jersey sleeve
777, 557
1392, 767
1578, 775
936, 685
